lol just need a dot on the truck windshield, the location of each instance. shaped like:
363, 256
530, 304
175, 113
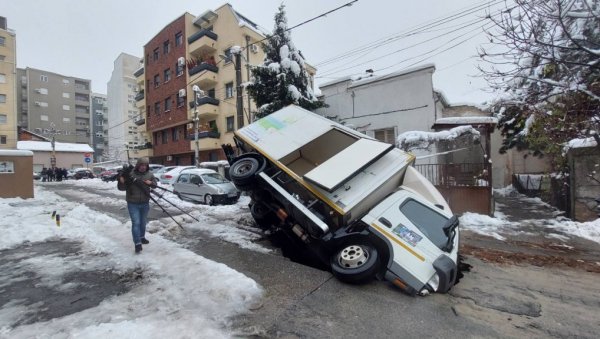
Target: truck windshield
429, 222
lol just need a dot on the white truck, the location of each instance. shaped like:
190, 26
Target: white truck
355, 202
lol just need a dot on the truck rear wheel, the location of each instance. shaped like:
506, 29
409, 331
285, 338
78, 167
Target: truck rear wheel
355, 263
262, 215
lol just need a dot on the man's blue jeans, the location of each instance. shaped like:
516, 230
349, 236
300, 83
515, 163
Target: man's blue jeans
138, 212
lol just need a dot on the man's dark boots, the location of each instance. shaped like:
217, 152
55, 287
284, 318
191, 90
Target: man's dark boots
145, 241
138, 248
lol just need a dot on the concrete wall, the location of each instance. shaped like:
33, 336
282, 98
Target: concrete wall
63, 160
20, 182
584, 190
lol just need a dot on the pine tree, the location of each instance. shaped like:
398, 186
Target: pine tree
282, 78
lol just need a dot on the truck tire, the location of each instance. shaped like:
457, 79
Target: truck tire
242, 172
261, 215
356, 262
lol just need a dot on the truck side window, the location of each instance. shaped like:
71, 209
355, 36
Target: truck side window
428, 221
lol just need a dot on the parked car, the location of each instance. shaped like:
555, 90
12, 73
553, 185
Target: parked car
110, 174
155, 167
206, 186
159, 172
83, 173
70, 174
36, 176
168, 178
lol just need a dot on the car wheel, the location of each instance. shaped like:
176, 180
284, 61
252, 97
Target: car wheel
178, 195
242, 172
355, 262
208, 200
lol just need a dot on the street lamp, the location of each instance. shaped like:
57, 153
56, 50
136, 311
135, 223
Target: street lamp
198, 93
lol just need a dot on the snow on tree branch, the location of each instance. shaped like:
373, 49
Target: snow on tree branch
412, 140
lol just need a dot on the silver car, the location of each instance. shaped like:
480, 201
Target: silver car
204, 185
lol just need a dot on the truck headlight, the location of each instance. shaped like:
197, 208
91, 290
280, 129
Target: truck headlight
434, 282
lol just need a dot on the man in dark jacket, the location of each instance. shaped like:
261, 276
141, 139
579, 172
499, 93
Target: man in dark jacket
137, 184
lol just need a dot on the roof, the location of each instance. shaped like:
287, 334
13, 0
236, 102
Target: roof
466, 120
366, 80
15, 153
46, 146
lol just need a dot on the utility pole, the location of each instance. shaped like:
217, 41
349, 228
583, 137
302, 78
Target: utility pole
53, 157
250, 116
238, 80
197, 93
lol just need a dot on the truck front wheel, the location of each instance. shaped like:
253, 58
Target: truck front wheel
242, 172
355, 263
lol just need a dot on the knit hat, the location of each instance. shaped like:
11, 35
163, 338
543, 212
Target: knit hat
143, 160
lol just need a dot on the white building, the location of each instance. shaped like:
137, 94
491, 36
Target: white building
68, 155
122, 112
384, 106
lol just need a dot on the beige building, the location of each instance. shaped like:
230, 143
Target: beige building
8, 86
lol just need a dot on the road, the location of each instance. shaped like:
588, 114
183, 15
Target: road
503, 295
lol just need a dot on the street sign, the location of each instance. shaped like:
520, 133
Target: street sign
88, 160
87, 155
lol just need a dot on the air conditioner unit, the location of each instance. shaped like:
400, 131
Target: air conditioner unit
182, 92
254, 48
181, 61
37, 103
190, 125
169, 158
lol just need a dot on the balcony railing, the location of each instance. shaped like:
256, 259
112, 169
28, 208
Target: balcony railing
205, 134
200, 34
140, 121
139, 96
138, 72
204, 66
205, 100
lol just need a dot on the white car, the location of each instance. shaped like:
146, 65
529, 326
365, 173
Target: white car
168, 178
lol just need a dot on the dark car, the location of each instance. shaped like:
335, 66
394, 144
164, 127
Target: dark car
83, 174
110, 174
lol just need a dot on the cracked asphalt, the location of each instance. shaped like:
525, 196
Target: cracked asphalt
493, 300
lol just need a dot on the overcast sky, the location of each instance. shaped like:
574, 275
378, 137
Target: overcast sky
83, 38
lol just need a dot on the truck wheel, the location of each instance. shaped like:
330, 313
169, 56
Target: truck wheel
355, 263
261, 216
242, 172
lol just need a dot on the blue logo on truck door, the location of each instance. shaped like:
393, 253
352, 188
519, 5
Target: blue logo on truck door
407, 235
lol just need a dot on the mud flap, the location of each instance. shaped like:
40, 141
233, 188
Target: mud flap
446, 271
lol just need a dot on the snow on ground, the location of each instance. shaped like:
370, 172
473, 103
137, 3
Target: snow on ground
498, 226
160, 307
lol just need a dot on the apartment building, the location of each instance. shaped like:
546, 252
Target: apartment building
8, 86
99, 126
195, 51
122, 132
52, 104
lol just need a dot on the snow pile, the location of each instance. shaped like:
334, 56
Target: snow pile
588, 230
420, 139
579, 143
486, 225
182, 294
506, 191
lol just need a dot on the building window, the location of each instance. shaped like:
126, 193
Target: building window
2, 40
66, 108
178, 39
66, 82
157, 107
44, 117
99, 123
230, 123
66, 95
385, 135
168, 104
156, 80
165, 135
166, 47
228, 56
175, 134
155, 54
3, 139
2, 98
44, 78
180, 101
167, 75
42, 90
3, 119
228, 90
99, 134
2, 78
67, 120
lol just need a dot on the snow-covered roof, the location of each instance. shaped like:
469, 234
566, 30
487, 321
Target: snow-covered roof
391, 75
580, 143
466, 120
15, 153
46, 146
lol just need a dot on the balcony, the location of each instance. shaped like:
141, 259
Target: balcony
207, 140
208, 108
205, 134
202, 42
140, 121
139, 72
139, 96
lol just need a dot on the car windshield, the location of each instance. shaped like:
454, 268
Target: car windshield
213, 178
429, 222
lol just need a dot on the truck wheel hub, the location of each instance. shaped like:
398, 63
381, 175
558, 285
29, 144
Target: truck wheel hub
353, 256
